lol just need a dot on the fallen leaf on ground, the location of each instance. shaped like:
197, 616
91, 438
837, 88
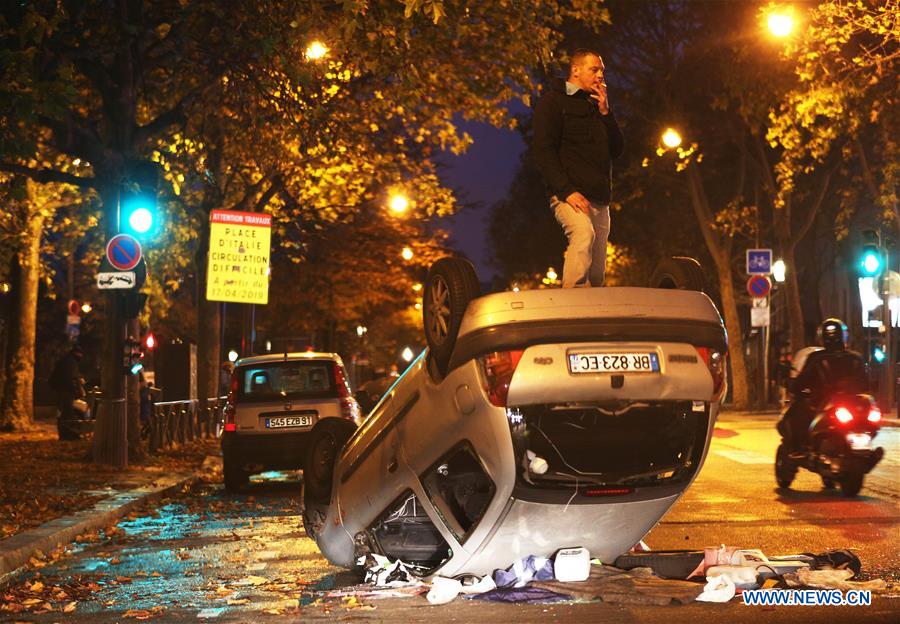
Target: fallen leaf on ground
36, 587
70, 607
238, 601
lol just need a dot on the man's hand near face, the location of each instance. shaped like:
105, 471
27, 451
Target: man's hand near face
599, 96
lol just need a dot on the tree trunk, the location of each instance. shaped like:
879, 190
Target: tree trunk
17, 413
794, 308
740, 388
209, 323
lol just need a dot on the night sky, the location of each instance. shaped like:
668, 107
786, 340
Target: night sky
480, 177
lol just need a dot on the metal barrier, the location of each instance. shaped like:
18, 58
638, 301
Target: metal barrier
174, 423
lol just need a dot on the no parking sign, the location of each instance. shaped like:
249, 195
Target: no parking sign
123, 252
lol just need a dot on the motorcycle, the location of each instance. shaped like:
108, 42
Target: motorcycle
839, 445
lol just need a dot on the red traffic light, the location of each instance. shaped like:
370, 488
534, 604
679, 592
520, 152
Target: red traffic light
150, 340
74, 308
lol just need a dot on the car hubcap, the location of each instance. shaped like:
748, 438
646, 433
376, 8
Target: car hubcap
440, 310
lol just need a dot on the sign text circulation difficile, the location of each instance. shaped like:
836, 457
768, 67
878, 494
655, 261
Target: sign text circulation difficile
239, 245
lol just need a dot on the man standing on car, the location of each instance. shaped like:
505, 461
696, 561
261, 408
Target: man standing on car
575, 139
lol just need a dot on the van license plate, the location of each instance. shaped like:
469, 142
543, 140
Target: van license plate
288, 421
613, 363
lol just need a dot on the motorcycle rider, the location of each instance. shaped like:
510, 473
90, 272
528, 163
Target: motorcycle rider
829, 371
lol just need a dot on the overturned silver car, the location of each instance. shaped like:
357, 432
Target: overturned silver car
535, 420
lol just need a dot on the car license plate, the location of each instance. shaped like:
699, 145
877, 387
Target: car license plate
288, 421
613, 363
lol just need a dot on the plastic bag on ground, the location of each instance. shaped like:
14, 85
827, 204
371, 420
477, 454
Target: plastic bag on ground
522, 572
383, 572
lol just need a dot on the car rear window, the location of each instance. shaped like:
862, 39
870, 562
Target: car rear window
299, 379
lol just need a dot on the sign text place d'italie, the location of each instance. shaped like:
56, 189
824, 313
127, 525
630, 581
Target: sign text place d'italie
238, 257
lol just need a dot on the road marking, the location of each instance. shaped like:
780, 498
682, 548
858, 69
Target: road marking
745, 457
207, 614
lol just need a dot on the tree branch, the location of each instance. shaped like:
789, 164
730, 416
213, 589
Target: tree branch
813, 211
44, 176
171, 117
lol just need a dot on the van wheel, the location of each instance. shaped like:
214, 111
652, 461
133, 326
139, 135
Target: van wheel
325, 444
235, 477
679, 272
452, 283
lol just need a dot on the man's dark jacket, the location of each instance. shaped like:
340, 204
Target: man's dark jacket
574, 144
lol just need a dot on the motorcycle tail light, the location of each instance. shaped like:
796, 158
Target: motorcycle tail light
843, 415
230, 403
715, 362
498, 369
874, 415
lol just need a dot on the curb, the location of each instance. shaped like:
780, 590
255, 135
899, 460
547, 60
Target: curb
16, 551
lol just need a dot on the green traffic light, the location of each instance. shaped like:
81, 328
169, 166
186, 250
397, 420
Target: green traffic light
139, 215
141, 220
879, 354
136, 368
870, 264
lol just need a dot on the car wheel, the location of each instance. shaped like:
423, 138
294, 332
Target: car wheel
235, 477
325, 444
785, 469
679, 272
851, 484
451, 284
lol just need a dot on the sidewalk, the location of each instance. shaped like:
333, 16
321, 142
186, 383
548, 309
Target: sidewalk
888, 419
50, 493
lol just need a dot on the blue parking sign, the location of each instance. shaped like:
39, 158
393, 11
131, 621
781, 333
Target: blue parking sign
759, 261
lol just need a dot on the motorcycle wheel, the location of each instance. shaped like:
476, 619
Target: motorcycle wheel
851, 484
785, 469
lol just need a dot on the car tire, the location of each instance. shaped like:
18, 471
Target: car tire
235, 477
325, 444
452, 283
679, 272
785, 469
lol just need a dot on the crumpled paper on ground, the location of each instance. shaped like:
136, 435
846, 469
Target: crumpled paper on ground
830, 579
383, 572
718, 589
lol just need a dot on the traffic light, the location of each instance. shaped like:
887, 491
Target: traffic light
871, 260
138, 208
132, 361
149, 341
878, 354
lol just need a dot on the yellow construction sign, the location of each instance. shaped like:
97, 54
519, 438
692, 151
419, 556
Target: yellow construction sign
238, 268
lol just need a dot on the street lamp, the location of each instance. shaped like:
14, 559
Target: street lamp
360, 330
398, 203
779, 270
86, 307
671, 139
407, 355
232, 356
407, 253
316, 50
781, 22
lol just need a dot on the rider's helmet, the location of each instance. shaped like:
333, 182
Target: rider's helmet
834, 334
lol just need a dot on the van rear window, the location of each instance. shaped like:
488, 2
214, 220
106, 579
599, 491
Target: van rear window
301, 379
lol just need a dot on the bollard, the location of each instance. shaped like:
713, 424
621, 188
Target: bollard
111, 433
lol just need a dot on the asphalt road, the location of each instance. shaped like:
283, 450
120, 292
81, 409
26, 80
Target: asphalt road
206, 555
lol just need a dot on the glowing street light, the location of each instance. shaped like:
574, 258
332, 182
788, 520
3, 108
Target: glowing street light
407, 253
360, 330
86, 307
398, 203
781, 22
316, 50
671, 139
232, 356
778, 270
551, 274
407, 355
